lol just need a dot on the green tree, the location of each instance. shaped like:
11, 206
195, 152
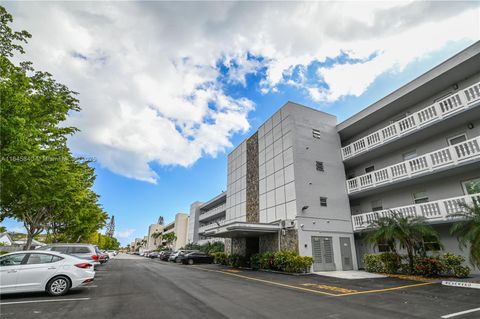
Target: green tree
169, 238
408, 231
42, 184
467, 230
156, 235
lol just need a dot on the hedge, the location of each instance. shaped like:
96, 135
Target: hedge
447, 264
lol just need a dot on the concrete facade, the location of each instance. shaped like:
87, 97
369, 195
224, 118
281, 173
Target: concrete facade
179, 227
205, 215
152, 242
320, 183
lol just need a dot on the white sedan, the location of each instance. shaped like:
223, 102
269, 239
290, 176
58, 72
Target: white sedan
33, 270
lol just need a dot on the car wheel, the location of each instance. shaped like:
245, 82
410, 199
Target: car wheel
58, 286
177, 260
190, 261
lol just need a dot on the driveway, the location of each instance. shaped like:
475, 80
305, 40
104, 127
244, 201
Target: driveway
142, 288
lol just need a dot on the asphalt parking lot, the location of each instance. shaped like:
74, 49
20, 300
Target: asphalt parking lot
136, 287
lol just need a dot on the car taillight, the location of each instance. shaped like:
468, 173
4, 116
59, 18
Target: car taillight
83, 265
95, 257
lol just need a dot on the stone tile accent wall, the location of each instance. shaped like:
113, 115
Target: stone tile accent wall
289, 241
268, 243
239, 246
228, 246
253, 205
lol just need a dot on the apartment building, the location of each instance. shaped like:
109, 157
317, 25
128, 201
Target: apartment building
179, 227
204, 216
303, 182
154, 242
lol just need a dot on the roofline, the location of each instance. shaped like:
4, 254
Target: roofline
436, 71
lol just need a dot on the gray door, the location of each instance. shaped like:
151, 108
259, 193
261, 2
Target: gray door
322, 252
346, 253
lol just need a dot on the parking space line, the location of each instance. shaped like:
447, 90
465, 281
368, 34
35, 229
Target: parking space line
385, 289
40, 301
268, 281
460, 313
353, 292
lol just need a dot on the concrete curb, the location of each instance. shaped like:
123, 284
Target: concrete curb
462, 284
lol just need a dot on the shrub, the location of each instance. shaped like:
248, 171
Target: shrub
255, 261
451, 262
220, 258
267, 261
237, 261
373, 263
461, 271
390, 261
428, 266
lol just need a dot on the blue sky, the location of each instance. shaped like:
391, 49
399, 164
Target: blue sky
163, 101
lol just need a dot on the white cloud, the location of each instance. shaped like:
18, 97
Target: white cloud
148, 73
124, 234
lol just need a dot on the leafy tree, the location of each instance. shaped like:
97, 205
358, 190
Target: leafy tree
169, 238
157, 235
467, 230
42, 184
408, 231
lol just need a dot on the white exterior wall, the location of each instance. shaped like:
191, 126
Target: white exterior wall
276, 171
236, 184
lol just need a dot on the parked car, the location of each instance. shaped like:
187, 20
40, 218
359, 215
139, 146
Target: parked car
39, 270
153, 254
165, 255
103, 257
196, 258
89, 252
177, 256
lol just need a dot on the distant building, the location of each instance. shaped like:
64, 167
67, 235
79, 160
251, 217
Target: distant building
179, 227
5, 239
204, 216
152, 241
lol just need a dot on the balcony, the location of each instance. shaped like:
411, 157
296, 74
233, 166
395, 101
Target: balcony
446, 157
212, 212
205, 228
434, 212
457, 102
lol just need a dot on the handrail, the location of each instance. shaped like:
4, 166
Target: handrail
461, 100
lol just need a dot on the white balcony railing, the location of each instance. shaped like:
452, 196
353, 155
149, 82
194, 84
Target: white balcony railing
448, 156
436, 211
204, 228
461, 100
212, 212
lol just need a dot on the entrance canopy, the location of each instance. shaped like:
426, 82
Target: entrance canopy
242, 229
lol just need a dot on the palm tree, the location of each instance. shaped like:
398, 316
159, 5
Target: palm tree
169, 238
408, 231
467, 230
156, 235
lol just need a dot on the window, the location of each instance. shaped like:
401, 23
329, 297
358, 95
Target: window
420, 197
323, 201
62, 250
409, 155
457, 139
42, 259
369, 169
377, 205
319, 166
383, 247
316, 133
471, 186
12, 260
430, 244
79, 250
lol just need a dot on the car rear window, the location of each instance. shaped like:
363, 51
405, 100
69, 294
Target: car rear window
61, 249
79, 250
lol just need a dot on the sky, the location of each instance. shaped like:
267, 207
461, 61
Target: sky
168, 89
